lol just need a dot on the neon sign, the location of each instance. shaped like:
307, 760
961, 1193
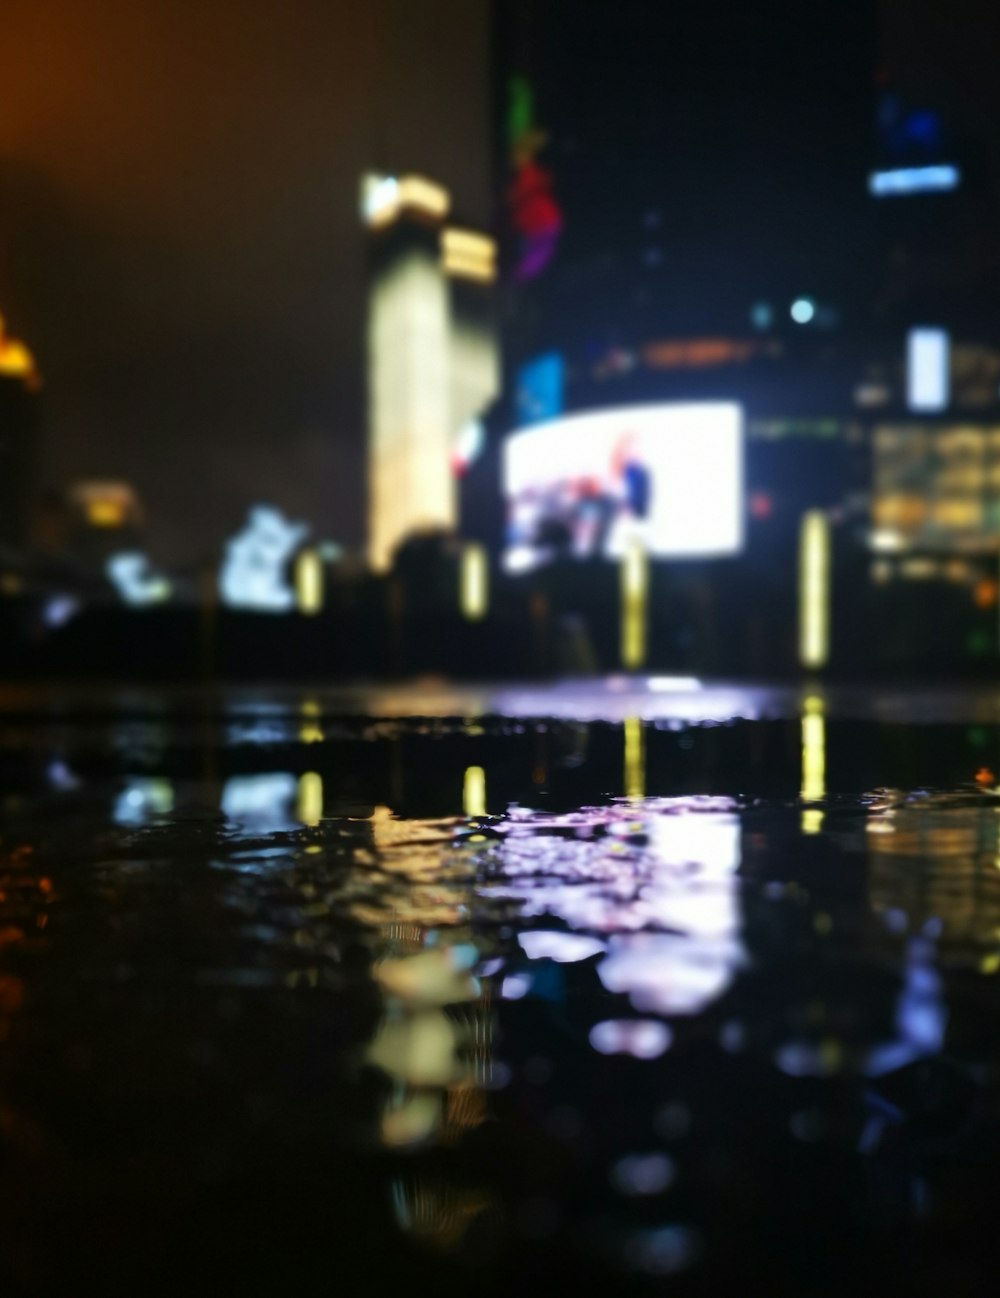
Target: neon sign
254, 574
534, 212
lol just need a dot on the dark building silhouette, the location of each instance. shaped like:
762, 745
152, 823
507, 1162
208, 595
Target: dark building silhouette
19, 430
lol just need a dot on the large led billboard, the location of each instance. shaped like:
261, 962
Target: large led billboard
668, 476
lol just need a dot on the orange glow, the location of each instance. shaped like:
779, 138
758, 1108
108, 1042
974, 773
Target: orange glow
985, 593
105, 504
16, 361
698, 353
105, 513
10, 936
11, 994
985, 777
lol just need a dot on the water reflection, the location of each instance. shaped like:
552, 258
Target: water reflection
499, 994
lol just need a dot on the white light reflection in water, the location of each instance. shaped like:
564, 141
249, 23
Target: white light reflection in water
657, 883
143, 800
564, 948
641, 1038
262, 803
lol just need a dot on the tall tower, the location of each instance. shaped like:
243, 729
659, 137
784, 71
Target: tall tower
432, 363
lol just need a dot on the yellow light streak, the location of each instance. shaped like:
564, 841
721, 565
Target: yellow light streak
474, 792
310, 800
814, 589
310, 732
634, 611
474, 592
813, 762
635, 759
309, 583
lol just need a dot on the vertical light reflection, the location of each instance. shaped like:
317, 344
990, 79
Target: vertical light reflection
635, 759
143, 800
310, 732
814, 589
310, 801
813, 762
474, 791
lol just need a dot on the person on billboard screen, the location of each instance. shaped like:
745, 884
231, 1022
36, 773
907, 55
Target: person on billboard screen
633, 489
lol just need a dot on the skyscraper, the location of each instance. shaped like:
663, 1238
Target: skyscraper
432, 359
682, 172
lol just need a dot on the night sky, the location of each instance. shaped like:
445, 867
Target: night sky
180, 243
179, 239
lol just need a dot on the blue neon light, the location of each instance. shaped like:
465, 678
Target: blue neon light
913, 180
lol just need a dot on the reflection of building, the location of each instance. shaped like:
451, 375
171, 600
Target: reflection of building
434, 1042
19, 383
432, 363
936, 861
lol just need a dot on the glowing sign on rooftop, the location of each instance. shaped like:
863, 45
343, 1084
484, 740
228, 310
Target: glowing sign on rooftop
914, 180
534, 211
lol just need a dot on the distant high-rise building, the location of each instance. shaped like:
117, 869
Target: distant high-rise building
432, 354
19, 384
681, 174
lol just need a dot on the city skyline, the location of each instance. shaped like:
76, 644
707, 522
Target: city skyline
181, 239
181, 244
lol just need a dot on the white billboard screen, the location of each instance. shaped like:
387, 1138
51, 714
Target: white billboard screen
669, 476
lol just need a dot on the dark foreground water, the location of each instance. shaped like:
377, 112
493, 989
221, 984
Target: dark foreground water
674, 991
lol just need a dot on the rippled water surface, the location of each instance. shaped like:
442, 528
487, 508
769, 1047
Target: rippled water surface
698, 998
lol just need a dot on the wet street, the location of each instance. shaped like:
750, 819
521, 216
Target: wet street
623, 988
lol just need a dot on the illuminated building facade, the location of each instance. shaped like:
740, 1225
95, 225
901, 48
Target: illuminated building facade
694, 207
696, 193
432, 356
684, 217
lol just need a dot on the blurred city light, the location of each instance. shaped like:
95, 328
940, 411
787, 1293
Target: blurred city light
802, 310
474, 792
135, 581
309, 583
813, 762
635, 759
309, 807
474, 581
814, 589
254, 573
928, 369
914, 180
634, 606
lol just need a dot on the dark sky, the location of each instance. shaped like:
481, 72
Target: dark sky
179, 239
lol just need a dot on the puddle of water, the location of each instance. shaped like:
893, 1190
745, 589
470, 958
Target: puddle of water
498, 1003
